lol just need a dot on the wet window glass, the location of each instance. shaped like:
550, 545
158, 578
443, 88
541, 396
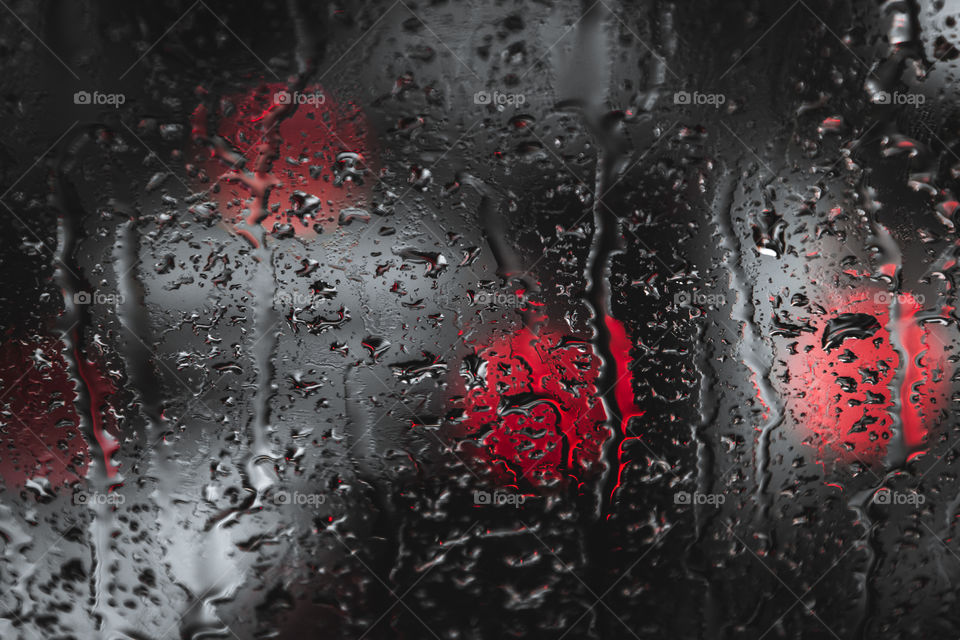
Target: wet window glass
479, 319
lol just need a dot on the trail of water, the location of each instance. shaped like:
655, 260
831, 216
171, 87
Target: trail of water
755, 354
88, 402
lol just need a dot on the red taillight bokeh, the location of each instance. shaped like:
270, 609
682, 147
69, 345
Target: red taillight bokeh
532, 409
840, 394
302, 153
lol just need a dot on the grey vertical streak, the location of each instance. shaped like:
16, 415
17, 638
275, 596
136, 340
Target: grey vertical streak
888, 252
592, 88
136, 353
360, 424
494, 229
69, 229
266, 337
708, 410
306, 49
752, 348
872, 547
